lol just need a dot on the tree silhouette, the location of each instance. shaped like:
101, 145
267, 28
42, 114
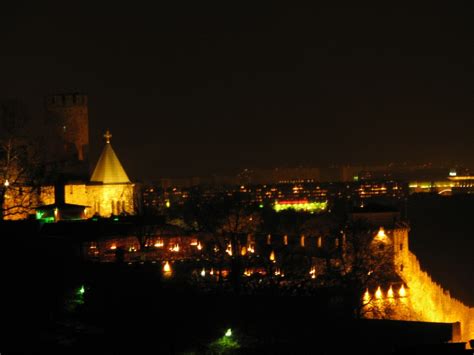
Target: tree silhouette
356, 260
21, 177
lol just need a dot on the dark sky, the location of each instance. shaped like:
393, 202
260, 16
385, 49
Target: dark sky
201, 89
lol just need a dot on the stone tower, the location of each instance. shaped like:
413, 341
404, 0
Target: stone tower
67, 120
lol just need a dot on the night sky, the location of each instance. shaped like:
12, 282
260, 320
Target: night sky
201, 89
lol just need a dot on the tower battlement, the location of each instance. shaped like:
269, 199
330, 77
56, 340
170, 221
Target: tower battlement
66, 100
67, 119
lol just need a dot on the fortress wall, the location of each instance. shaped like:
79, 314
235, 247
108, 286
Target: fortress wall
429, 302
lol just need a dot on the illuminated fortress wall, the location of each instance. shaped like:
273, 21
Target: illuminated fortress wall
430, 302
425, 300
102, 199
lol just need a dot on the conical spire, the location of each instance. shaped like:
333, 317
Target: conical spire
108, 169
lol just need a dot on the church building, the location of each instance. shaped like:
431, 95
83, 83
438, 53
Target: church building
109, 191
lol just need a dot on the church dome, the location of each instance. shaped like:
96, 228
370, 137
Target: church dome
109, 170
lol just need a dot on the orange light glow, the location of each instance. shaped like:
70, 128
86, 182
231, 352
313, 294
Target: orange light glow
390, 292
402, 292
167, 268
159, 243
302, 241
251, 249
199, 246
378, 293
243, 251
366, 296
228, 250
175, 248
113, 247
272, 256
269, 239
381, 236
285, 240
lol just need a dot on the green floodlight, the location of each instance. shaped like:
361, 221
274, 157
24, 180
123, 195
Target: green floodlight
228, 333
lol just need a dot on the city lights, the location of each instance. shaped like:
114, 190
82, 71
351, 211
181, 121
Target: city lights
300, 205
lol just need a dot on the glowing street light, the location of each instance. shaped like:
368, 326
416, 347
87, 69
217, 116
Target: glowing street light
6, 183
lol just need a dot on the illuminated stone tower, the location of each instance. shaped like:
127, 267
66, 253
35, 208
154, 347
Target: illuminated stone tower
67, 121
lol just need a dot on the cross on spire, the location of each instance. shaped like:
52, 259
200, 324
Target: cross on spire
107, 136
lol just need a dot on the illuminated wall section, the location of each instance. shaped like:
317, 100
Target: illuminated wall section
300, 205
431, 303
102, 199
21, 202
425, 300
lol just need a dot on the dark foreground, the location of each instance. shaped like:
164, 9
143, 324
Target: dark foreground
132, 309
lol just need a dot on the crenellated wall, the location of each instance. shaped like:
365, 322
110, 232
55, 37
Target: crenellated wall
430, 302
425, 300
